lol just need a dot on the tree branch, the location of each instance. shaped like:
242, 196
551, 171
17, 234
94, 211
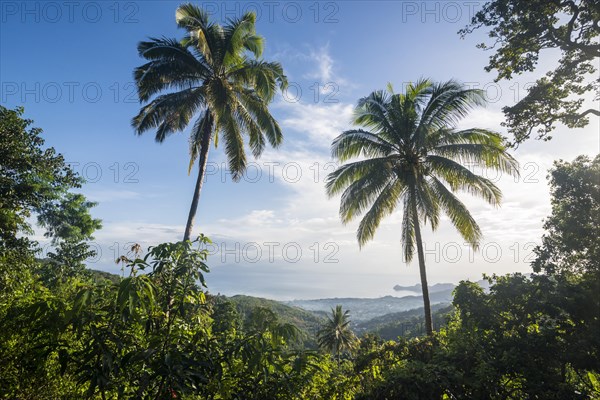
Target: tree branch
589, 111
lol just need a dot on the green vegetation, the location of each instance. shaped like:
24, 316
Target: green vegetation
69, 332
306, 322
219, 75
520, 32
336, 336
405, 324
416, 157
367, 309
32, 178
571, 245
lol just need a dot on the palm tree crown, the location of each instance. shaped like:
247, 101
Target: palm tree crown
215, 75
336, 336
415, 156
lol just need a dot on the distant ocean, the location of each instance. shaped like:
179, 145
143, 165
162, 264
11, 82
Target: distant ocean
301, 283
296, 285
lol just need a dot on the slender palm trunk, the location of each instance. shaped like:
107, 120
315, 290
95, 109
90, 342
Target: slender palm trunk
423, 272
203, 157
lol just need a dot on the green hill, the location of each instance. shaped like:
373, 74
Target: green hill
406, 323
100, 276
387, 324
362, 310
303, 319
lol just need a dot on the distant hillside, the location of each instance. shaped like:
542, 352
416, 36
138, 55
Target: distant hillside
406, 323
388, 317
100, 276
303, 319
438, 287
365, 309
388, 326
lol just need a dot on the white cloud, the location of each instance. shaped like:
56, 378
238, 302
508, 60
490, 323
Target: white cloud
139, 232
323, 70
320, 123
486, 118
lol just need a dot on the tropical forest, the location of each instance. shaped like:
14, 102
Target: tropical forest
337, 200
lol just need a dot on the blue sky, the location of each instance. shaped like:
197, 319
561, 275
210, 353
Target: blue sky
70, 65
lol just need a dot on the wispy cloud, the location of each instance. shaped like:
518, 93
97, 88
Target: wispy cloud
322, 65
107, 195
320, 123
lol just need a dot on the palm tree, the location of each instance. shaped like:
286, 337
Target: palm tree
336, 336
415, 156
215, 75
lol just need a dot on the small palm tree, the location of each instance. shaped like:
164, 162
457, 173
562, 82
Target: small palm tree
416, 157
336, 336
216, 76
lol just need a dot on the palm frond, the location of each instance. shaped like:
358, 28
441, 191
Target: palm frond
338, 180
449, 102
258, 108
384, 204
165, 49
484, 155
358, 142
157, 76
264, 77
427, 203
204, 36
240, 35
459, 177
249, 125
458, 213
477, 146
371, 112
191, 17
169, 113
363, 192
234, 144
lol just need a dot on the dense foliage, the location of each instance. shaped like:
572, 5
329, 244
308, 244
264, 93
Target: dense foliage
571, 243
69, 333
520, 31
408, 324
31, 177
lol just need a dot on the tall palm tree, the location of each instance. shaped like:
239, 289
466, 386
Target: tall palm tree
415, 156
215, 74
336, 336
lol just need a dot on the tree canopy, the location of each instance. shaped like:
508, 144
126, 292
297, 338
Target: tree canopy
571, 243
157, 333
31, 177
520, 31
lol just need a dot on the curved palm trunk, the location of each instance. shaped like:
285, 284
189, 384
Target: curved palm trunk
202, 159
423, 272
